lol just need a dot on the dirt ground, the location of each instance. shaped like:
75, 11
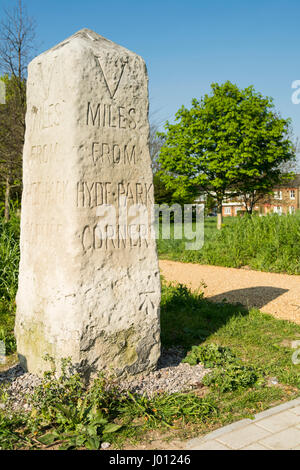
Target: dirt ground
277, 294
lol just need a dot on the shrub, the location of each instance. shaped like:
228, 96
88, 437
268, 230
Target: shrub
228, 372
233, 377
210, 355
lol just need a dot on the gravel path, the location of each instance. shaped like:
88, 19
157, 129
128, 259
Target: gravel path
277, 294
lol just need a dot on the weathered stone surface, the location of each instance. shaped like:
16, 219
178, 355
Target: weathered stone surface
86, 156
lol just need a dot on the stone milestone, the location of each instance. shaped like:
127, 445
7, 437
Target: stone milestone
89, 285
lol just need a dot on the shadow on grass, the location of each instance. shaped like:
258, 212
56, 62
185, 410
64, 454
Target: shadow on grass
250, 297
187, 319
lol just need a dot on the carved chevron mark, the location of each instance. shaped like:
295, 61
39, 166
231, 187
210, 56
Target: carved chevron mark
146, 303
113, 87
49, 74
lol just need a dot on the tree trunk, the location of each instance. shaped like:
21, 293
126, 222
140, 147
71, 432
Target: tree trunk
248, 205
249, 208
219, 215
7, 200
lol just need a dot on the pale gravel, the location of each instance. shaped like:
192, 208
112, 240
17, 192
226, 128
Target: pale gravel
170, 377
276, 294
18, 385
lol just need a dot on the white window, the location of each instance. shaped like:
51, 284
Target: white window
227, 210
292, 210
292, 194
277, 210
277, 194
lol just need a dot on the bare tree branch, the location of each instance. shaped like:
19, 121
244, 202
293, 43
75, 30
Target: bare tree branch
17, 44
17, 41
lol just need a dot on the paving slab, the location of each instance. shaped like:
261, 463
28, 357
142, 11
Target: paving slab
279, 422
296, 410
284, 440
255, 446
243, 437
275, 429
212, 445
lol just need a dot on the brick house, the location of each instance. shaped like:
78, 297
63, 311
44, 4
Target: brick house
285, 200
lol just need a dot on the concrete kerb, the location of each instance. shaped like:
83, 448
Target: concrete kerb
241, 424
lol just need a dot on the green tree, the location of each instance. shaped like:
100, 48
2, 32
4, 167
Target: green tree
17, 39
210, 205
229, 142
162, 193
11, 140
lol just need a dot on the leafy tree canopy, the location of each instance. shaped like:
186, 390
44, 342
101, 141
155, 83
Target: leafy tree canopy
229, 141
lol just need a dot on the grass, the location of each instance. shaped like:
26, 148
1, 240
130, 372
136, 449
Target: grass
9, 257
244, 348
67, 415
9, 263
270, 243
190, 320
257, 339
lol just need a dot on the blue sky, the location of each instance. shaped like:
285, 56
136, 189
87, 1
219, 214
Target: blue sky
189, 44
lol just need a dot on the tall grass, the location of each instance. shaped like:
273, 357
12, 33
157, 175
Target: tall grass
269, 243
9, 264
9, 257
